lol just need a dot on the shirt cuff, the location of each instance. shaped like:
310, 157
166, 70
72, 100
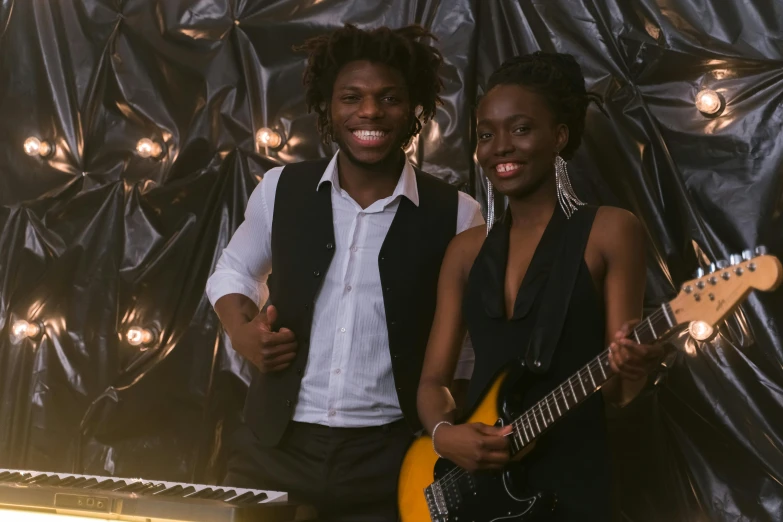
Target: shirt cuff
219, 285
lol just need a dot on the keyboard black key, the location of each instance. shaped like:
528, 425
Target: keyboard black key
243, 497
204, 493
170, 492
133, 487
225, 495
258, 498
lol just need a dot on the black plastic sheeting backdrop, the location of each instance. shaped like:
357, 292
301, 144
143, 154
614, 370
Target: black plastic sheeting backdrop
96, 239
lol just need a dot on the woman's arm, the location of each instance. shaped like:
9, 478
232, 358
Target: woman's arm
622, 243
470, 446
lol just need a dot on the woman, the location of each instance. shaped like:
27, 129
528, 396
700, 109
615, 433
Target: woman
529, 122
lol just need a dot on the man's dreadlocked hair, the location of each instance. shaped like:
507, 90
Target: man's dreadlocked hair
419, 64
557, 77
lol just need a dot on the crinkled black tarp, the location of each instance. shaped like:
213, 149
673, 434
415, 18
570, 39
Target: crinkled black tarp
97, 239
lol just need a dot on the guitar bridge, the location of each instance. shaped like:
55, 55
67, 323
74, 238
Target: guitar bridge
436, 503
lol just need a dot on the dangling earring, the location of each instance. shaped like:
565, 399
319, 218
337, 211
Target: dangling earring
490, 206
565, 192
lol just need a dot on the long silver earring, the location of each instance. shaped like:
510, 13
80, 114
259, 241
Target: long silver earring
490, 206
565, 192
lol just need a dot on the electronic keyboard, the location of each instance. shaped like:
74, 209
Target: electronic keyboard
139, 500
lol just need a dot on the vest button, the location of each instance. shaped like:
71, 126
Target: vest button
307, 306
316, 273
537, 364
329, 246
288, 403
299, 372
388, 289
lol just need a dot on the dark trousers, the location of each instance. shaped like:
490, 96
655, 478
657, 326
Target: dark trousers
346, 474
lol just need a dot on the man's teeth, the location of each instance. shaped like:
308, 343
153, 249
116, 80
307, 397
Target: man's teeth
505, 167
369, 134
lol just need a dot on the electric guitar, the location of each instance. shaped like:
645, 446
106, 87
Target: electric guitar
436, 490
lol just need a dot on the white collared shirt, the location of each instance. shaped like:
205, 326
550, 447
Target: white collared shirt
348, 380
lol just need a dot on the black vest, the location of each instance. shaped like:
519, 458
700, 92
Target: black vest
302, 249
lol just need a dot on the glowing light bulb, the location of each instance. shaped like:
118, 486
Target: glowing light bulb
138, 336
709, 102
700, 330
35, 147
22, 328
268, 138
148, 148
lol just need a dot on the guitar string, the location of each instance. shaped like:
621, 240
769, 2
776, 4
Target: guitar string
455, 474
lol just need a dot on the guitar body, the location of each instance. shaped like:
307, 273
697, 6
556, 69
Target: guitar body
434, 489
477, 497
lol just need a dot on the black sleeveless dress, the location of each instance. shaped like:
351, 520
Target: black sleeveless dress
572, 459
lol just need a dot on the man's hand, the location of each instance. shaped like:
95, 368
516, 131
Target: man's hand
268, 350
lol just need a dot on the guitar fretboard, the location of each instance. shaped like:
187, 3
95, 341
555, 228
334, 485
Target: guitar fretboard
583, 383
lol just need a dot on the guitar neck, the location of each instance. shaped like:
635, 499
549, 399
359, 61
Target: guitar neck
589, 379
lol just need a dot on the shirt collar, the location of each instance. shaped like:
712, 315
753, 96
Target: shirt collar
406, 186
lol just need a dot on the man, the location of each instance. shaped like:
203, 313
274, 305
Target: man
354, 244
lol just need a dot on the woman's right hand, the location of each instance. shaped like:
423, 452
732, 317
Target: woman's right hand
473, 446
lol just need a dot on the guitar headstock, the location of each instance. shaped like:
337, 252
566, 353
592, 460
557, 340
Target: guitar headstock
714, 294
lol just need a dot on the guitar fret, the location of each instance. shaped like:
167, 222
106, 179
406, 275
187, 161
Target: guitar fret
557, 406
537, 424
581, 383
591, 376
573, 391
521, 422
636, 335
543, 417
551, 417
601, 366
565, 398
518, 437
669, 320
652, 330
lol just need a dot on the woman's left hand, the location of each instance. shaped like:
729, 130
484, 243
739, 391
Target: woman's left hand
631, 360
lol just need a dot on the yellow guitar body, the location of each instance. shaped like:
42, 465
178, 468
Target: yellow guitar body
419, 462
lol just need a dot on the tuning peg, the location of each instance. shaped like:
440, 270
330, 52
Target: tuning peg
713, 267
747, 255
698, 273
735, 259
761, 250
721, 264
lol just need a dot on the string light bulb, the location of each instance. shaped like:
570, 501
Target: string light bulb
22, 329
149, 149
137, 336
709, 102
35, 147
266, 137
700, 330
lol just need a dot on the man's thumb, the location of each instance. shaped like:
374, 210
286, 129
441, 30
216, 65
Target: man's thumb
271, 316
